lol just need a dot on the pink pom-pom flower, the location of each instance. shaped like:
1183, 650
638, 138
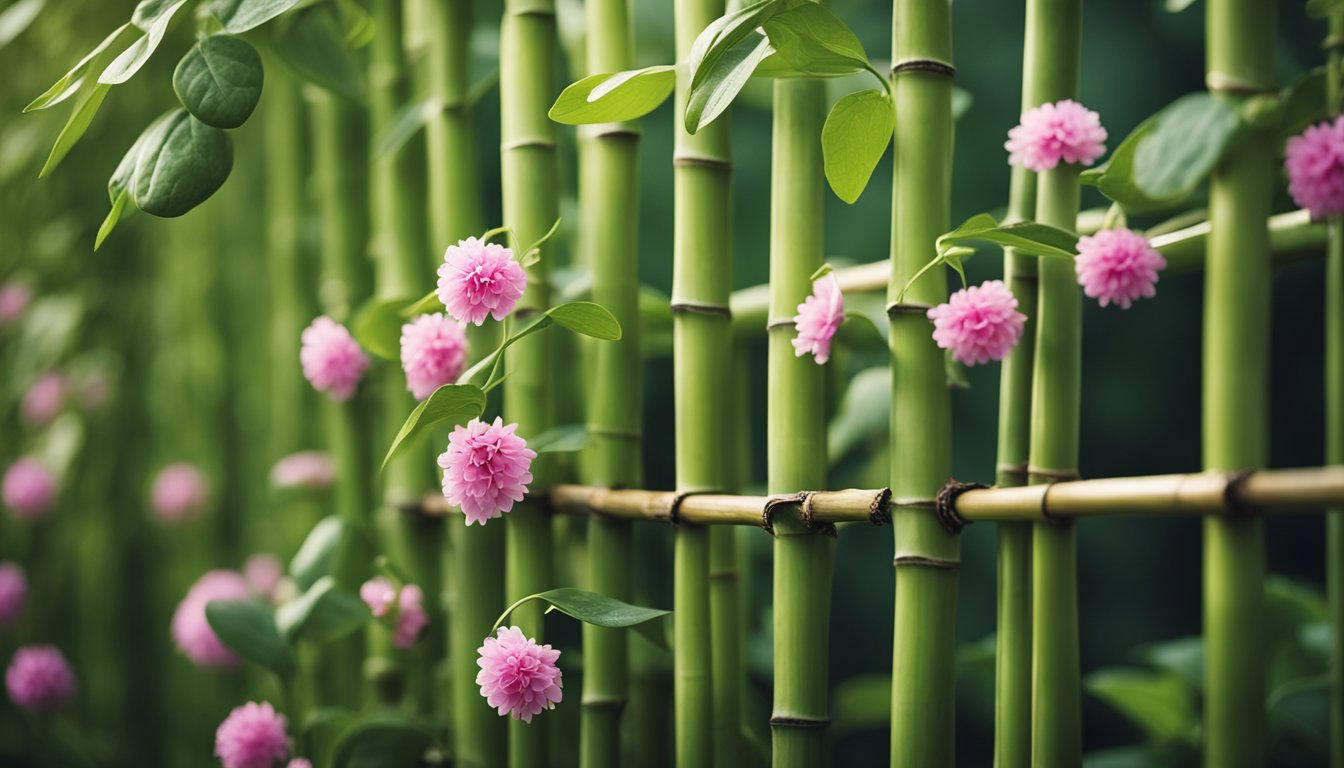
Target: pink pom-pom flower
978, 324
252, 736
299, 762
30, 490
191, 630
305, 469
44, 399
433, 348
263, 572
518, 677
332, 360
379, 594
1064, 130
1117, 266
13, 593
818, 318
478, 279
178, 494
14, 298
1315, 161
39, 679
486, 469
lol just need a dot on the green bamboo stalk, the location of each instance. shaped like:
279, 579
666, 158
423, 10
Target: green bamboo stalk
1334, 412
702, 349
1240, 59
796, 431
927, 558
531, 204
727, 675
609, 210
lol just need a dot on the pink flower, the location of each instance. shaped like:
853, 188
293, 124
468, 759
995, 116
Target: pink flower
379, 594
818, 318
14, 298
1315, 161
305, 469
43, 399
433, 349
191, 630
299, 762
518, 677
39, 679
979, 323
479, 279
13, 592
263, 572
178, 494
485, 469
252, 736
1117, 265
1065, 130
332, 360
30, 490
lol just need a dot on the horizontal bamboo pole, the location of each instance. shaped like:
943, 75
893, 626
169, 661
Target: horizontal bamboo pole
1270, 491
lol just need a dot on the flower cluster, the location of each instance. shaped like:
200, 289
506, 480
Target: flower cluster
978, 324
39, 679
192, 632
252, 736
478, 279
1063, 131
818, 318
1315, 162
518, 677
1117, 266
29, 489
179, 493
332, 360
433, 348
486, 469
380, 595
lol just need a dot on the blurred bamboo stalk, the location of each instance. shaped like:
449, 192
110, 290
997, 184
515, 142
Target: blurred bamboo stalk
1334, 412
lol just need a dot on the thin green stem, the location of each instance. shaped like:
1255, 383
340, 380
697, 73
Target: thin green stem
1334, 415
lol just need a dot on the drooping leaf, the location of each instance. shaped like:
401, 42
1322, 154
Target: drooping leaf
812, 42
853, 140
16, 18
248, 629
599, 610
1176, 6
316, 554
723, 35
113, 216
239, 16
390, 744
81, 116
614, 98
118, 187
152, 16
1026, 236
377, 326
722, 83
323, 613
566, 439
1160, 703
313, 44
181, 162
586, 318
458, 403
406, 123
219, 80
74, 79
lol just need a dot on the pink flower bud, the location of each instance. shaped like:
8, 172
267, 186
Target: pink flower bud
818, 319
43, 400
39, 679
332, 360
1117, 266
306, 469
191, 630
179, 493
433, 349
30, 490
1315, 161
252, 736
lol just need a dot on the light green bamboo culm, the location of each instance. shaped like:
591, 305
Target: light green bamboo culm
1240, 59
531, 205
701, 352
927, 557
1334, 415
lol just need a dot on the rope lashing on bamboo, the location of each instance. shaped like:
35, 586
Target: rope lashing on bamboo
945, 504
933, 66
697, 308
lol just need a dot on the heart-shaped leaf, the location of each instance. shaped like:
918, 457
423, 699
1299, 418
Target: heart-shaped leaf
586, 318
458, 403
219, 80
853, 140
614, 98
181, 162
599, 610
249, 630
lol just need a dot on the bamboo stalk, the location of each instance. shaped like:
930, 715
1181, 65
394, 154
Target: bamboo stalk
1240, 58
1334, 413
609, 205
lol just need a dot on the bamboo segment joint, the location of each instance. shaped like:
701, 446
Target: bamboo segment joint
924, 560
1332, 43
780, 323
1222, 82
688, 159
799, 722
1053, 475
924, 65
898, 308
697, 308
547, 144
946, 504
1016, 471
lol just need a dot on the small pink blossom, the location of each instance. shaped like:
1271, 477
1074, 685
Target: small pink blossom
14, 299
299, 762
305, 469
179, 493
518, 677
433, 349
486, 469
30, 490
44, 399
191, 630
332, 360
1064, 130
39, 679
478, 279
1315, 161
379, 594
979, 323
818, 318
263, 572
13, 593
252, 736
1117, 265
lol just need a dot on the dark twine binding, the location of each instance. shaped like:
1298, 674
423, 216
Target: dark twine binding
1234, 494
897, 308
780, 323
674, 508
924, 65
946, 506
697, 308
798, 722
879, 512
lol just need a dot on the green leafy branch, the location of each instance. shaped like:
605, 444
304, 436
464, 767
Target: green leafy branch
598, 610
1028, 237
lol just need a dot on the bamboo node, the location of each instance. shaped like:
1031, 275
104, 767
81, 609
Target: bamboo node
697, 308
673, 514
717, 163
1222, 82
773, 503
933, 66
780, 323
933, 562
799, 722
899, 308
611, 705
946, 504
1016, 471
1053, 475
1332, 42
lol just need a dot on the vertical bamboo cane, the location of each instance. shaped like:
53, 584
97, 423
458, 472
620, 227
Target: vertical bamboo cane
1240, 58
702, 350
927, 558
1334, 414
527, 55
609, 206
796, 431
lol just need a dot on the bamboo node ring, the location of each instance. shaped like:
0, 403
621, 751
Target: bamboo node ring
780, 322
899, 308
934, 562
946, 504
933, 66
674, 506
1053, 475
694, 307
1332, 42
799, 722
1015, 471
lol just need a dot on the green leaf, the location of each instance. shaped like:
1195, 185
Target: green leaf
75, 78
323, 613
1183, 657
458, 403
812, 42
219, 80
1169, 155
113, 216
586, 318
599, 610
80, 117
406, 123
377, 326
390, 744
239, 16
724, 34
153, 16
248, 629
181, 162
1160, 703
1176, 6
1299, 720
1302, 104
1026, 236
1324, 9
313, 43
722, 83
614, 98
566, 439
428, 304
853, 140
16, 18
863, 414
317, 553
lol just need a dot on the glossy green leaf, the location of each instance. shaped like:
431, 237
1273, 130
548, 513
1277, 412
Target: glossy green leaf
613, 98
457, 403
1324, 9
723, 35
427, 304
118, 187
1176, 6
313, 43
17, 17
152, 16
716, 91
75, 78
323, 613
317, 553
248, 629
812, 42
180, 164
599, 610
853, 140
113, 216
1026, 236
390, 744
406, 123
1161, 704
81, 116
566, 439
239, 16
219, 80
1302, 104
586, 318
377, 326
